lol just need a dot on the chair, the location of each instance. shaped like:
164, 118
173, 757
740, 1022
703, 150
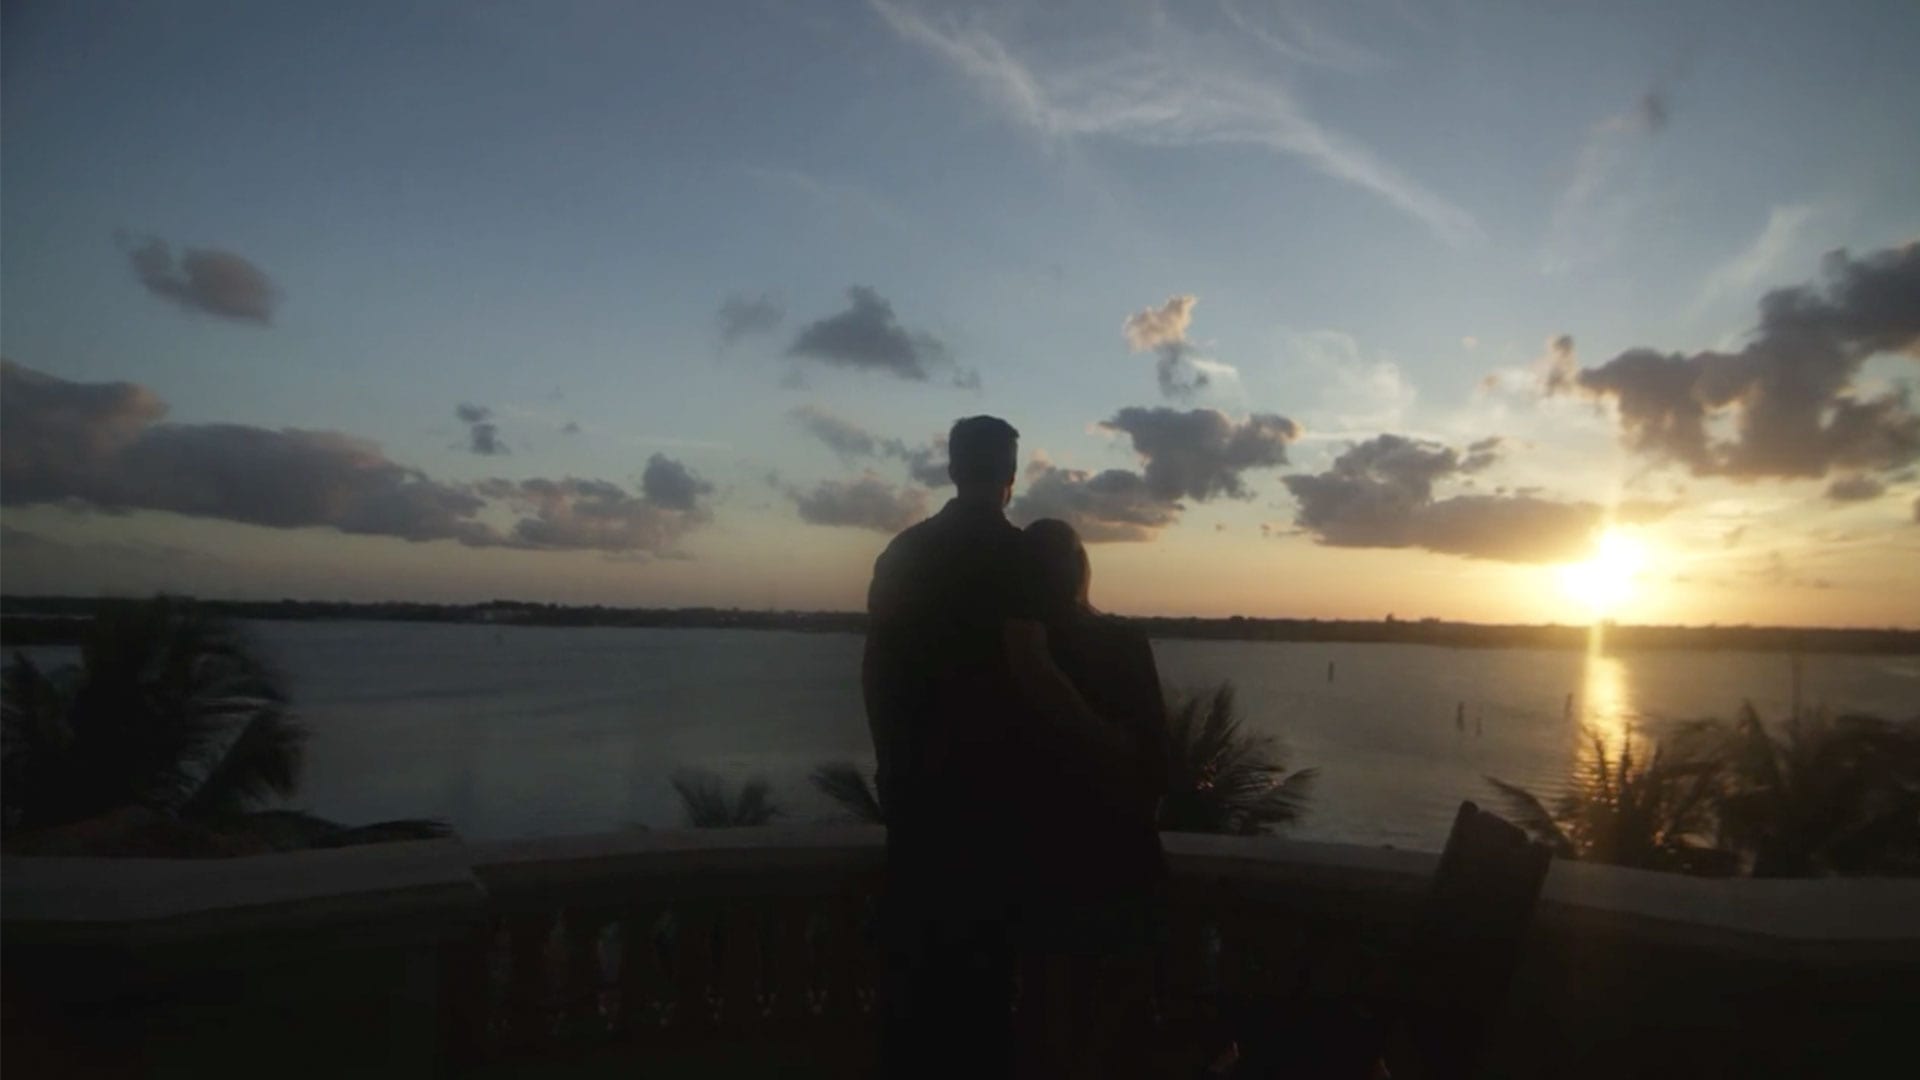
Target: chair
1468, 945
1462, 956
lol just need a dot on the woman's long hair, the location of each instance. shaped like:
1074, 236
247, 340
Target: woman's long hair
1061, 568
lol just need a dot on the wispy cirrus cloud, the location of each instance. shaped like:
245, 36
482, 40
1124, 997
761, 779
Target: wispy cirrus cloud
1752, 266
1286, 31
925, 463
1606, 187
1157, 85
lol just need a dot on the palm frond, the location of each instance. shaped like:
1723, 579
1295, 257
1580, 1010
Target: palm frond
845, 784
1222, 779
704, 797
260, 762
1533, 817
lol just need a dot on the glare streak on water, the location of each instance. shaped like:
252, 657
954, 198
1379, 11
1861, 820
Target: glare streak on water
521, 731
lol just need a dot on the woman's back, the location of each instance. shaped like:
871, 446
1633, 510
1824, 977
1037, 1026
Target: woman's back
1100, 834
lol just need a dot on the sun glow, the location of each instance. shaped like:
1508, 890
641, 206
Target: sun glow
1605, 583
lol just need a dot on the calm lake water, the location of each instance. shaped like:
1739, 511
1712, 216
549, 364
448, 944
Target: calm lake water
513, 732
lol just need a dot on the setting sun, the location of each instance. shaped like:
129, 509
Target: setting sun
1604, 583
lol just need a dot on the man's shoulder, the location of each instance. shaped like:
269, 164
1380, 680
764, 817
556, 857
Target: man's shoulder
911, 541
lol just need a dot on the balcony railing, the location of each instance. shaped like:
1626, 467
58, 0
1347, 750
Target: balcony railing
685, 951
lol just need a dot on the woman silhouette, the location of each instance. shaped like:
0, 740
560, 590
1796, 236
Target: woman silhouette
1098, 872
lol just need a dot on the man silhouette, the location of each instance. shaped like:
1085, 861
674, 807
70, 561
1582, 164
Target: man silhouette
960, 695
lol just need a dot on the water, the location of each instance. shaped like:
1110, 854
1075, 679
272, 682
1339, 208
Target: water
518, 731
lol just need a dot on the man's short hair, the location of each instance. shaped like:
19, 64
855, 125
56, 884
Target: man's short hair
982, 450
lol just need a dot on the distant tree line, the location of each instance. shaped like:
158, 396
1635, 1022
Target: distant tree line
27, 621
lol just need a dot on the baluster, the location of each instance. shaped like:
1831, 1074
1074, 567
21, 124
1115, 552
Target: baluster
790, 964
693, 967
1241, 965
528, 1018
840, 948
864, 910
1034, 994
740, 963
646, 992
1183, 965
580, 996
465, 998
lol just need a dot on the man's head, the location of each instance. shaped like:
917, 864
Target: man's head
983, 453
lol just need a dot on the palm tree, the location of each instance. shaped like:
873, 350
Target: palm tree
1828, 796
1651, 814
1223, 780
169, 708
704, 797
166, 738
844, 783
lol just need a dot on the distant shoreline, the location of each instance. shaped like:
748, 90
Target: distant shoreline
54, 620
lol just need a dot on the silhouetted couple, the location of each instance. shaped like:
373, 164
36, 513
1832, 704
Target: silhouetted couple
1021, 746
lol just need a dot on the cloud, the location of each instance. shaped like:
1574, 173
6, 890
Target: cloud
1287, 33
924, 463
1380, 493
1855, 489
1111, 506
1356, 391
1163, 86
852, 442
204, 279
1787, 400
1916, 510
1777, 572
1201, 453
1163, 331
103, 446
1482, 453
1651, 113
1155, 328
16, 540
866, 503
741, 315
671, 485
867, 336
1745, 271
572, 428
1604, 191
848, 203
1559, 365
843, 437
483, 435
59, 436
601, 515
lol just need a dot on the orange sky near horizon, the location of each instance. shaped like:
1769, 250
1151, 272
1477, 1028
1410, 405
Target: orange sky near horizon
778, 564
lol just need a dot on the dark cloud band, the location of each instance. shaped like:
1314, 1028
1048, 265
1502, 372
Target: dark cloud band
103, 446
1788, 398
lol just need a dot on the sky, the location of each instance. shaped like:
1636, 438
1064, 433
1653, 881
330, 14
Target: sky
1494, 312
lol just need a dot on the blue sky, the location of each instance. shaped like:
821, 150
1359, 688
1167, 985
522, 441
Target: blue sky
541, 209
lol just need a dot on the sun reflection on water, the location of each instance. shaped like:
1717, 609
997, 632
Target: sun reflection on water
1606, 702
